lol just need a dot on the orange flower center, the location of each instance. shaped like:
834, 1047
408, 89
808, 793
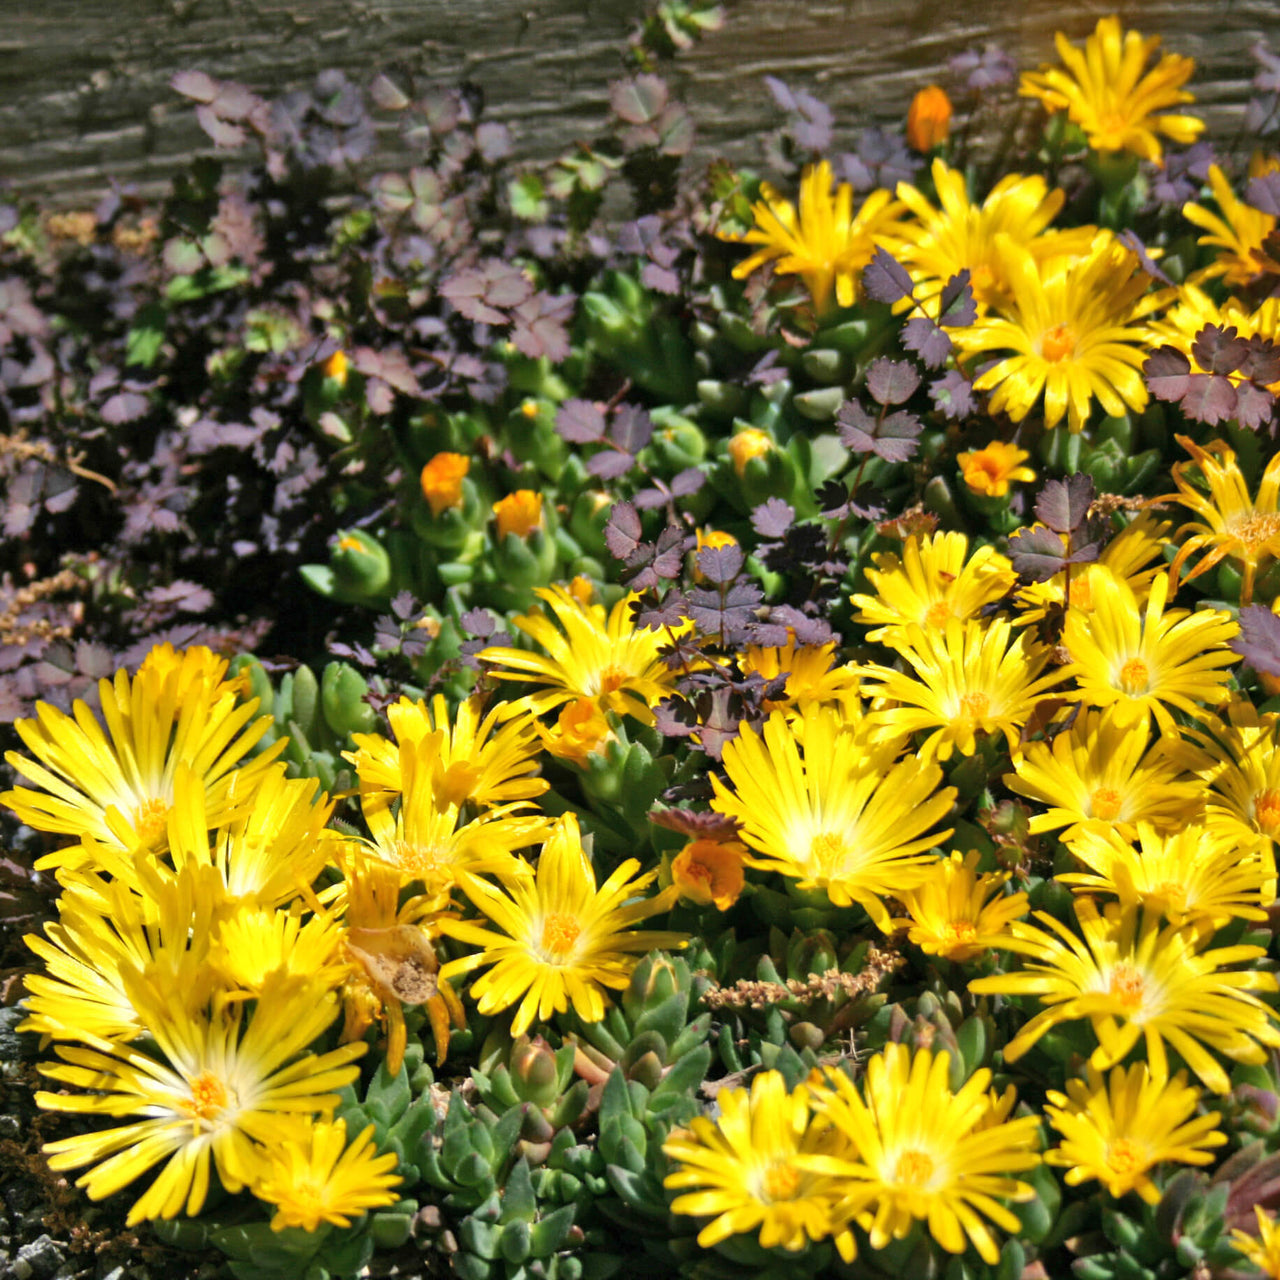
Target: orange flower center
1128, 986
1080, 593
1135, 676
1058, 343
209, 1097
959, 933
1266, 811
1105, 804
560, 932
151, 822
781, 1181
914, 1169
1125, 1157
974, 706
938, 613
611, 679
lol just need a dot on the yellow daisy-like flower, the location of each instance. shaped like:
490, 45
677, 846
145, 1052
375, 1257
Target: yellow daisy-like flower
826, 244
1231, 524
958, 235
1146, 661
1071, 332
314, 1176
924, 1153
589, 655
811, 677
820, 805
1238, 230
117, 786
990, 471
1135, 981
477, 759
223, 1083
935, 579
1104, 773
969, 679
957, 913
1188, 876
1263, 1250
1117, 1130
1108, 91
563, 941
745, 1169
254, 943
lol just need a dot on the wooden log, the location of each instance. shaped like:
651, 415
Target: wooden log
85, 97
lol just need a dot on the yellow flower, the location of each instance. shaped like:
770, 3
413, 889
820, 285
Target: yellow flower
1186, 875
929, 118
834, 814
989, 471
563, 941
810, 676
934, 580
1239, 230
254, 943
442, 480
1117, 1130
969, 679
336, 367
1263, 1250
1108, 91
1194, 309
958, 235
519, 513
1145, 662
222, 1083
1071, 332
709, 871
589, 655
746, 444
957, 913
1231, 523
1135, 981
313, 1176
924, 1153
1104, 774
581, 730
117, 786
826, 243
744, 1168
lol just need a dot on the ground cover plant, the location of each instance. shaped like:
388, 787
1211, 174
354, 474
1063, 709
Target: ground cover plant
737, 742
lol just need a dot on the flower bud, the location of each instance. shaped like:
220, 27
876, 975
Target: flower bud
747, 444
442, 481
519, 513
342, 693
361, 568
709, 872
989, 471
929, 118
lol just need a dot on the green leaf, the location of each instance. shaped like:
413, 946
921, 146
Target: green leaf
143, 342
528, 197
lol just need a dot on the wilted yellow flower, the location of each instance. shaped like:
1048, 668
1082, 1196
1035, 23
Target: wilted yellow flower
519, 513
1107, 90
442, 481
990, 470
929, 118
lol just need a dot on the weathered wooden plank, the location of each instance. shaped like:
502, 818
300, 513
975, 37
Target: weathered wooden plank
84, 83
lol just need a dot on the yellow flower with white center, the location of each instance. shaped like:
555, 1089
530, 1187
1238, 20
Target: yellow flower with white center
1117, 1130
590, 654
741, 1171
933, 580
826, 243
1135, 980
563, 941
958, 235
969, 679
222, 1083
1104, 774
314, 1176
117, 786
822, 806
1070, 333
921, 1152
1147, 661
957, 913
1108, 90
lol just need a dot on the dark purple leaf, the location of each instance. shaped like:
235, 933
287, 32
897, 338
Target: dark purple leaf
688, 481
885, 279
674, 717
1254, 405
1259, 640
1167, 373
720, 564
652, 499
956, 307
1262, 364
660, 279
1219, 350
1037, 554
631, 428
952, 395
1064, 505
1129, 238
893, 439
713, 614
929, 342
402, 605
892, 381
1209, 399
772, 518
622, 532
610, 464
580, 422
478, 622
1264, 193
669, 613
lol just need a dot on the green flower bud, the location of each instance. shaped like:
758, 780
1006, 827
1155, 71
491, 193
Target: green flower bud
342, 691
361, 568
821, 405
525, 561
825, 365
677, 442
587, 518
721, 399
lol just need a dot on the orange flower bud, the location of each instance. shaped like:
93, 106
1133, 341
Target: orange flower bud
336, 367
442, 481
709, 871
929, 118
519, 513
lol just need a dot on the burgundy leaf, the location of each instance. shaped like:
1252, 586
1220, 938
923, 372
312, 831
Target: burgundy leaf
580, 422
772, 518
1264, 193
688, 481
1167, 373
1254, 405
720, 564
1064, 504
1037, 554
892, 381
1209, 399
1263, 361
885, 278
631, 428
956, 307
929, 342
1259, 640
610, 464
952, 395
1219, 350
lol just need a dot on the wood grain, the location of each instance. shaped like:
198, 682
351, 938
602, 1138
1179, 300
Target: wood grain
84, 84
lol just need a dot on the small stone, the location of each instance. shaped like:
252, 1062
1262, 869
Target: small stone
116, 1273
10, 1127
37, 1260
13, 1046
